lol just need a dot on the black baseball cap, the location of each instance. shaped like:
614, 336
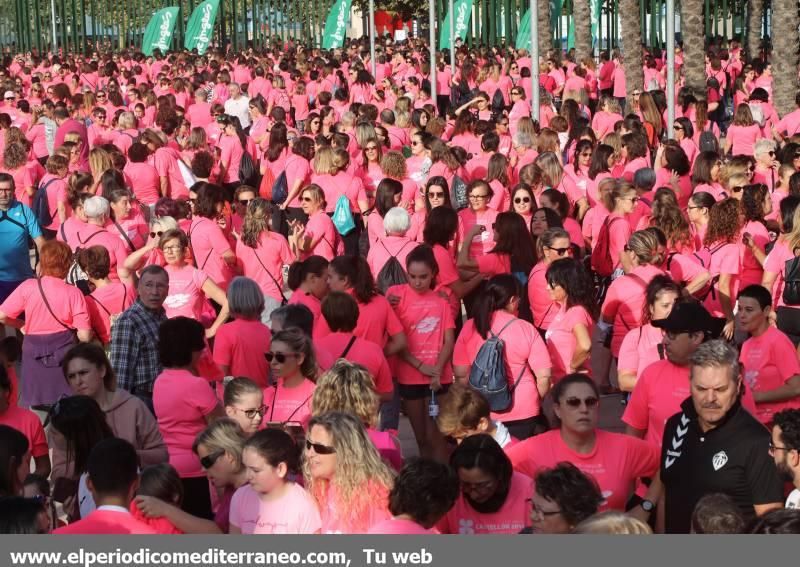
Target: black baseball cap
691, 317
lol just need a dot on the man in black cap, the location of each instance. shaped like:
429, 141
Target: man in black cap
713, 444
664, 385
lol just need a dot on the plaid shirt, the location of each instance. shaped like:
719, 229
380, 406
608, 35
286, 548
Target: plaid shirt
134, 348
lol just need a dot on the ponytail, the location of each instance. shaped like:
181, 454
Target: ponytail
300, 270
358, 274
497, 292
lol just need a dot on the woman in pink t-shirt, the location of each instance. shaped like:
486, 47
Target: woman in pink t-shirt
210, 247
190, 288
494, 498
742, 133
232, 149
698, 213
551, 245
633, 154
127, 219
616, 461
423, 368
345, 474
184, 404
308, 280
723, 259
422, 494
298, 174
147, 187
756, 204
108, 299
705, 175
318, 236
294, 368
243, 400
527, 360
642, 345
672, 170
568, 337
563, 498
621, 200
270, 503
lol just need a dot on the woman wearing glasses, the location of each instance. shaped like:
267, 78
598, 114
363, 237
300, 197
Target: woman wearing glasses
318, 237
621, 200
672, 170
494, 499
477, 214
184, 405
294, 367
706, 175
519, 108
615, 460
552, 245
243, 401
684, 135
563, 497
345, 474
523, 203
766, 163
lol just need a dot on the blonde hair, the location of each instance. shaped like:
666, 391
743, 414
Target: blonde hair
552, 171
361, 478
324, 162
347, 387
166, 222
223, 435
644, 245
393, 165
256, 221
613, 523
72, 137
316, 193
99, 161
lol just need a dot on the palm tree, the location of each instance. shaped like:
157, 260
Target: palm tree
692, 29
756, 13
631, 45
581, 15
545, 31
785, 42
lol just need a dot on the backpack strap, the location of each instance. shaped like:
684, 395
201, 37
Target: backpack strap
199, 267
273, 278
125, 236
91, 236
63, 234
348, 347
497, 335
4, 217
47, 304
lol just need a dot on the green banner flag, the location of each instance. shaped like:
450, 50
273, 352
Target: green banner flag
462, 12
336, 25
200, 28
158, 33
595, 15
524, 31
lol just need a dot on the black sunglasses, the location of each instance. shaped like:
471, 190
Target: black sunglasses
245, 202
208, 461
520, 200
279, 356
591, 402
559, 251
319, 448
435, 194
160, 233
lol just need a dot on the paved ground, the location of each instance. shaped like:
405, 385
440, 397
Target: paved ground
611, 410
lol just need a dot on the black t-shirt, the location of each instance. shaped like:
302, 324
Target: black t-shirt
732, 458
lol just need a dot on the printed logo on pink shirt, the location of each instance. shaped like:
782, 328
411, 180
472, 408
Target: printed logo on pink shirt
427, 325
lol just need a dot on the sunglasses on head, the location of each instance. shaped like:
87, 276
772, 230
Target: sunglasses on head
319, 448
280, 357
159, 234
208, 461
520, 200
590, 402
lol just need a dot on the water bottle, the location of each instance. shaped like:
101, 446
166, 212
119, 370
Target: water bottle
433, 407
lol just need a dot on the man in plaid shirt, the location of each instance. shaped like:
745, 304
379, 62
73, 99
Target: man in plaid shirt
134, 336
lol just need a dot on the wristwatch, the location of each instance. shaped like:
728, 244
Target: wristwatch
647, 505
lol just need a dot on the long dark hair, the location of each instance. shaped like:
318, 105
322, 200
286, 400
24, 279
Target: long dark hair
441, 226
514, 239
278, 141
497, 292
385, 193
13, 447
83, 424
599, 162
357, 272
573, 276
482, 451
439, 181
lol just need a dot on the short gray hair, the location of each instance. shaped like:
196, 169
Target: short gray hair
396, 221
715, 354
245, 298
96, 207
763, 145
523, 139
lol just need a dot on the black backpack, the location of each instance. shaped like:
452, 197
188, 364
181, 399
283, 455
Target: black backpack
392, 272
280, 189
498, 103
41, 206
248, 173
791, 282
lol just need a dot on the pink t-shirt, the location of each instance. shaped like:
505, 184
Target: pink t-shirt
482, 243
769, 361
165, 160
23, 179
751, 268
387, 247
231, 153
92, 235
397, 526
70, 308
724, 260
182, 401
320, 229
776, 264
561, 340
295, 512
376, 321
105, 302
663, 177
493, 263
185, 297
29, 424
343, 183
336, 521
330, 348
615, 462
241, 346
618, 235
525, 351
625, 300
208, 246
314, 305
264, 263
511, 518
146, 181
640, 349
742, 138
297, 169
603, 123
543, 307
289, 404
56, 193
199, 114
425, 318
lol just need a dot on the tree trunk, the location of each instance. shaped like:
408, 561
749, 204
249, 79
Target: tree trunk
631, 46
545, 31
756, 14
693, 31
581, 15
785, 42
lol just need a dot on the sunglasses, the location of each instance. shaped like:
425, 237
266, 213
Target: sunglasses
319, 448
245, 202
279, 356
372, 149
159, 234
307, 200
9, 98
435, 194
590, 402
559, 251
208, 461
479, 196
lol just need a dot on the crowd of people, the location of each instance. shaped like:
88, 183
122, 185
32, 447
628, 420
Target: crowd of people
230, 275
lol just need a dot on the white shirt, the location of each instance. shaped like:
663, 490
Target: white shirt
793, 500
239, 108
